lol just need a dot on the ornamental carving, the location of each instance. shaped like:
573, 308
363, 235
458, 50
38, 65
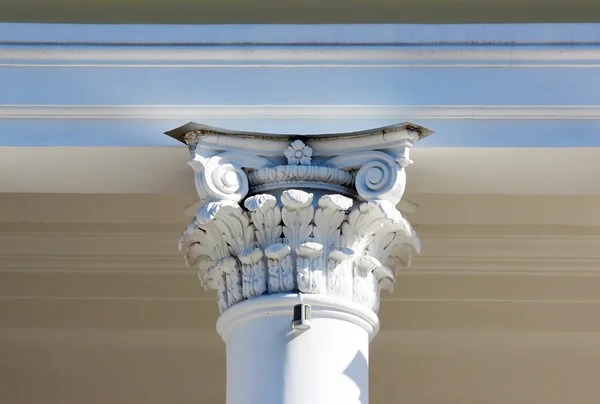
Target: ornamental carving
298, 153
290, 245
280, 214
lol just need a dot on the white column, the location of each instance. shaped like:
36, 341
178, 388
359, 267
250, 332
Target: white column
305, 222
269, 362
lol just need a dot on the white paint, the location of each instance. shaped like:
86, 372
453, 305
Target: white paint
258, 147
405, 206
343, 238
293, 112
269, 363
324, 56
320, 227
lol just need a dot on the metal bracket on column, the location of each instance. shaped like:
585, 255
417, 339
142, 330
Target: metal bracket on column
302, 317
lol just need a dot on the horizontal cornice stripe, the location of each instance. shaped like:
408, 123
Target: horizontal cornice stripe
183, 314
246, 112
131, 248
302, 56
305, 34
521, 277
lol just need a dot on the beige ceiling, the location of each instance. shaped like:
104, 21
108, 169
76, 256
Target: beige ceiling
439, 170
188, 367
97, 306
299, 12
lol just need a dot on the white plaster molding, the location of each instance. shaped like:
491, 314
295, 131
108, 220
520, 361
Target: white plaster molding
405, 207
292, 240
297, 153
292, 112
323, 250
323, 307
298, 56
397, 138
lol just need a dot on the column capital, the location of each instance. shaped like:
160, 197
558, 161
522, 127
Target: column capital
314, 214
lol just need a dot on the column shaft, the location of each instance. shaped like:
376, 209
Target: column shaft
268, 362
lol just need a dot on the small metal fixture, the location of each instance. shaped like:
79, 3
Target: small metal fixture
301, 320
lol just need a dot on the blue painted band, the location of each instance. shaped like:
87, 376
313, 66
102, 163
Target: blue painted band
287, 34
449, 133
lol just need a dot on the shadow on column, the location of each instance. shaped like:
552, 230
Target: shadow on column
356, 372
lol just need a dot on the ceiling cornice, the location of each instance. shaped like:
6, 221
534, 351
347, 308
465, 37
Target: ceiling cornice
471, 277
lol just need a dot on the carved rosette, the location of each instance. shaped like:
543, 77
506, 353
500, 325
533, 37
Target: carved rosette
324, 223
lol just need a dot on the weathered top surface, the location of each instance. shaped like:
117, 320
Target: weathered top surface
219, 138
